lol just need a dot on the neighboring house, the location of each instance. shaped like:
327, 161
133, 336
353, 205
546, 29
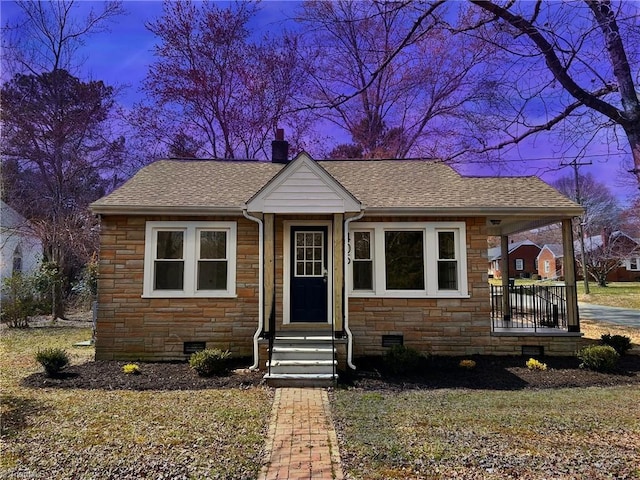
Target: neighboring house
549, 261
20, 249
522, 260
275, 260
613, 255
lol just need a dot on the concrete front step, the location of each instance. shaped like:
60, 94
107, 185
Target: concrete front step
302, 359
302, 366
300, 379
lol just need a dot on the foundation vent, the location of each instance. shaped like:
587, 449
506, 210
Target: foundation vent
391, 340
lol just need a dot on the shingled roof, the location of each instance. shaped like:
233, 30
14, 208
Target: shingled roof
383, 186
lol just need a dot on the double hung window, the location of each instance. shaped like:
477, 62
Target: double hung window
190, 259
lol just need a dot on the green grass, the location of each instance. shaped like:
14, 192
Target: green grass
57, 433
615, 294
566, 433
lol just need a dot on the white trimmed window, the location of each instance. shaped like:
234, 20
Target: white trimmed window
633, 264
519, 264
407, 259
190, 259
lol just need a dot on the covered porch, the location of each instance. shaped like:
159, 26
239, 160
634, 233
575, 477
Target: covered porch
541, 308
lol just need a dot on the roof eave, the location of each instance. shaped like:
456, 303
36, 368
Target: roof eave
164, 210
544, 212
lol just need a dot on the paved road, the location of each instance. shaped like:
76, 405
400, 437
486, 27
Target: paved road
619, 316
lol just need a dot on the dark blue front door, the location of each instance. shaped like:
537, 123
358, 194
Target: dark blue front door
309, 274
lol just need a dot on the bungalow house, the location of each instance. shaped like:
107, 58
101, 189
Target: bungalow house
549, 262
20, 249
306, 266
522, 260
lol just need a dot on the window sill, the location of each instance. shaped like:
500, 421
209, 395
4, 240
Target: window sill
408, 295
186, 295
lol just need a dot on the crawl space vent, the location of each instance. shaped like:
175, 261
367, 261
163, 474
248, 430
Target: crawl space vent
193, 347
391, 340
532, 350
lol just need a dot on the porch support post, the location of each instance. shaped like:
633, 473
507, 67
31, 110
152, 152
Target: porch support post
573, 319
504, 269
269, 267
338, 269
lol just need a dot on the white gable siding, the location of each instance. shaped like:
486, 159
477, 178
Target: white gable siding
304, 187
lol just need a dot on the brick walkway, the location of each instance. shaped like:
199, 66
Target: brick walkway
301, 443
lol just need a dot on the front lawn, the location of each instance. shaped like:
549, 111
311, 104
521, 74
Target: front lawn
62, 433
615, 294
529, 434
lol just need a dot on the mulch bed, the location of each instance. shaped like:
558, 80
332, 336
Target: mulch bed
492, 373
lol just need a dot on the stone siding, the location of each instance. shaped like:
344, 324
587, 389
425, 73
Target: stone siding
134, 328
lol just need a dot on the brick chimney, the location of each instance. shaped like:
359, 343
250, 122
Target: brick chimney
279, 148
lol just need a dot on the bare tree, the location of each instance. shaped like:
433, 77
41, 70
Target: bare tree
48, 34
216, 85
575, 70
602, 210
605, 252
57, 147
389, 74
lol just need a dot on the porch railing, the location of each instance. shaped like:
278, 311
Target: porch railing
532, 307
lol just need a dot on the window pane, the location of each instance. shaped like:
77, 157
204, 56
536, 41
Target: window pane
447, 275
169, 275
213, 245
404, 260
300, 269
212, 275
446, 245
362, 275
170, 245
362, 242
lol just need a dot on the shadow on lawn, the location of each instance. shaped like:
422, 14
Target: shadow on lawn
16, 413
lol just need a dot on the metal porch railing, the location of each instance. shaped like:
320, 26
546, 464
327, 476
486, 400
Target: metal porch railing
532, 307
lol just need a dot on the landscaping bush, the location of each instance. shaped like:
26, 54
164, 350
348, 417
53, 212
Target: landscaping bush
53, 360
19, 303
602, 358
210, 362
400, 359
621, 343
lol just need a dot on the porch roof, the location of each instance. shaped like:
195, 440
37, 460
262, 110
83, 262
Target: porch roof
383, 187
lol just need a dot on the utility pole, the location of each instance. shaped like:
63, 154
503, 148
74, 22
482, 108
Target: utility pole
575, 166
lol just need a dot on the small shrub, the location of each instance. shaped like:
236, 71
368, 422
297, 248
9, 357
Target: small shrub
131, 369
533, 364
19, 302
467, 364
400, 359
210, 362
620, 343
52, 359
602, 358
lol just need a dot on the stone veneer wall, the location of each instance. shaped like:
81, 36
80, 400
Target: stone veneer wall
440, 326
130, 327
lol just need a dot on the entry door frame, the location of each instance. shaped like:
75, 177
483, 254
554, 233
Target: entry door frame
286, 267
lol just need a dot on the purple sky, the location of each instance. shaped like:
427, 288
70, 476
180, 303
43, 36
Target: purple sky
121, 57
